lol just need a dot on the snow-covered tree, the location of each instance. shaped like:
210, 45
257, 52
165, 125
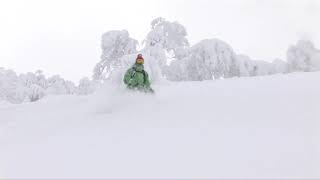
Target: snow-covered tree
166, 40
245, 65
56, 86
30, 78
206, 60
86, 86
34, 86
303, 57
41, 79
279, 66
177, 70
10, 87
70, 87
167, 35
36, 92
115, 44
261, 68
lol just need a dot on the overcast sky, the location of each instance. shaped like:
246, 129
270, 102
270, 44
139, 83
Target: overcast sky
63, 36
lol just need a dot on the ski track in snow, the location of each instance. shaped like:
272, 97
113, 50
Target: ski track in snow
261, 127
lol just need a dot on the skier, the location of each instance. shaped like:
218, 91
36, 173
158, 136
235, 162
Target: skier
136, 78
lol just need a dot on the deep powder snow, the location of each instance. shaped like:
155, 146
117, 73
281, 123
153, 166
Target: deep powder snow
261, 127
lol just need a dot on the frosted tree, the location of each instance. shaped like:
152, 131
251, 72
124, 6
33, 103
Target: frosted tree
36, 92
10, 87
56, 86
261, 68
30, 78
41, 79
34, 86
177, 71
206, 60
279, 66
167, 35
303, 57
222, 59
71, 88
249, 67
245, 65
86, 86
166, 40
115, 44
3, 84
59, 86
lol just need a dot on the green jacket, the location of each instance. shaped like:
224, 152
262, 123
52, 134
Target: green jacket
137, 78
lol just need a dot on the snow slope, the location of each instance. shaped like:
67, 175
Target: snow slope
261, 127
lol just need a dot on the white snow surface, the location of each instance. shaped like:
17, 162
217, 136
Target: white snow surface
257, 127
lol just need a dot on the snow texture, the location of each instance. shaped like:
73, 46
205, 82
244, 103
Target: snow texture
263, 127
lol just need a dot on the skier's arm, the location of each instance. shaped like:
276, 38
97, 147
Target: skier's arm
147, 83
127, 77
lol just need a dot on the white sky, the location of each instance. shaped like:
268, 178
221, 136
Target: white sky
63, 36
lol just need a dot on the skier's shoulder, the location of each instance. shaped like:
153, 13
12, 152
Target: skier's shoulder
145, 73
132, 69
129, 71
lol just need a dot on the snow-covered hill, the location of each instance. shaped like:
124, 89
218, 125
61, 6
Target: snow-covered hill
261, 127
